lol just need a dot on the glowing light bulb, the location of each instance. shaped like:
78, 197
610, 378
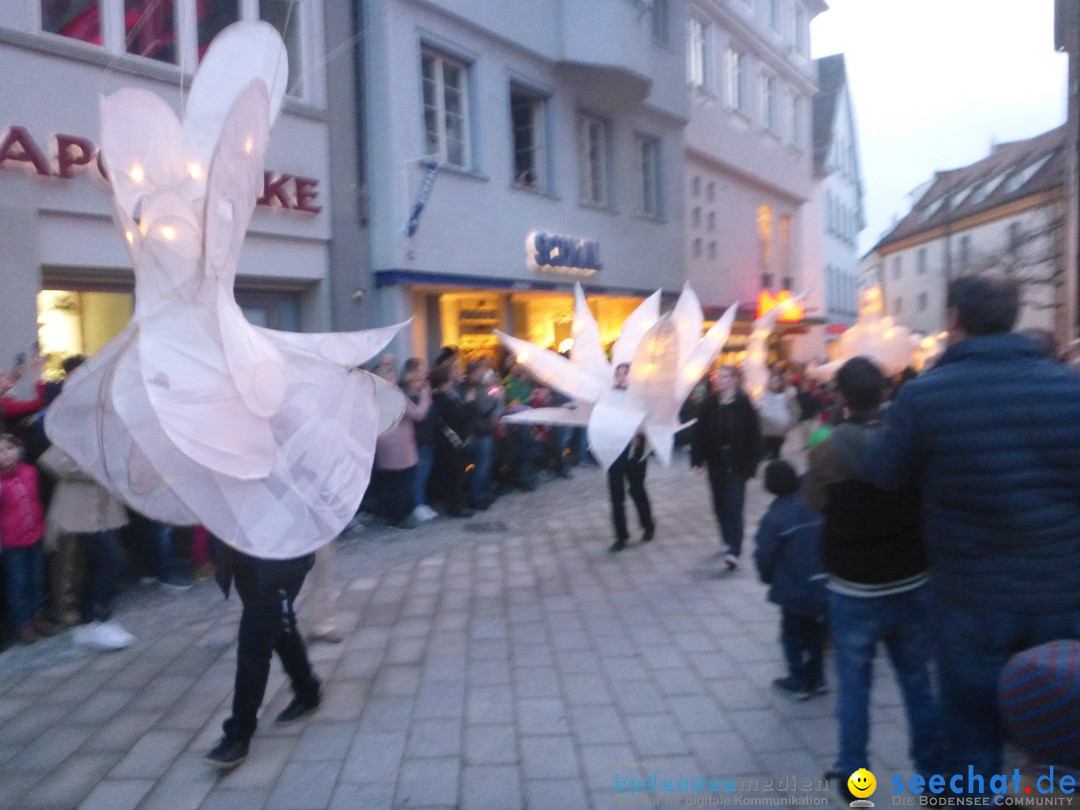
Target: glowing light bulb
521, 358
130, 237
249, 144
195, 170
137, 174
168, 232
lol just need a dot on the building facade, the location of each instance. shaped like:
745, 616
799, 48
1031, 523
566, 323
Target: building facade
508, 154
66, 273
1067, 39
838, 192
1004, 212
748, 176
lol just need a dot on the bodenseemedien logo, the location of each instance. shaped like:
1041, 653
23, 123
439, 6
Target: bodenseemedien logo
862, 784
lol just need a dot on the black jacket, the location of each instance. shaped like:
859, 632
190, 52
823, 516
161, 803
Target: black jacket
734, 425
870, 537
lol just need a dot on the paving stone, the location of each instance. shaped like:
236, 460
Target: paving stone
542, 716
304, 786
554, 794
427, 782
152, 755
490, 787
117, 794
491, 743
324, 740
374, 757
434, 738
549, 757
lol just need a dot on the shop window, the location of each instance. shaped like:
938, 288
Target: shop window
78, 19
150, 29
446, 112
79, 322
592, 159
527, 126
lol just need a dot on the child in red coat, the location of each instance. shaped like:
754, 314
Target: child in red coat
22, 525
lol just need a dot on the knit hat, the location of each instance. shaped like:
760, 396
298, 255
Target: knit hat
1039, 698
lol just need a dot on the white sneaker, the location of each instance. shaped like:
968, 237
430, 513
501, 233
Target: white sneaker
118, 637
424, 513
102, 636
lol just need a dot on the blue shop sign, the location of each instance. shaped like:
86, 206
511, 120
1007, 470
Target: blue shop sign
550, 253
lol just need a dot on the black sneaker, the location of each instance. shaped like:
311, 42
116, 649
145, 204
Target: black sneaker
227, 753
819, 688
618, 545
297, 710
792, 687
648, 534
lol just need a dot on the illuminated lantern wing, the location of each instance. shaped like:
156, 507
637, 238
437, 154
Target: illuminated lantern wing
554, 370
587, 351
634, 329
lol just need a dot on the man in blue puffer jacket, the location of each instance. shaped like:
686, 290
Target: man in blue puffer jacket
992, 436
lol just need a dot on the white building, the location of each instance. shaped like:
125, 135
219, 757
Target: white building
838, 191
549, 138
1003, 212
63, 265
749, 153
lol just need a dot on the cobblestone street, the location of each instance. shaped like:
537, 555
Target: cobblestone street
500, 662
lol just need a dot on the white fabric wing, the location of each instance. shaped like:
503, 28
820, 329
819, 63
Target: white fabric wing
704, 353
240, 53
614, 422
554, 370
576, 417
587, 351
634, 328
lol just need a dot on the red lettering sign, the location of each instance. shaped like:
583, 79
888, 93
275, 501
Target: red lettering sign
72, 151
19, 146
306, 194
274, 189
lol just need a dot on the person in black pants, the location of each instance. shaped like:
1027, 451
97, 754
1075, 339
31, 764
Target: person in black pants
267, 590
727, 441
630, 465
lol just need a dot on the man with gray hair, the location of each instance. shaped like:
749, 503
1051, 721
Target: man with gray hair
992, 436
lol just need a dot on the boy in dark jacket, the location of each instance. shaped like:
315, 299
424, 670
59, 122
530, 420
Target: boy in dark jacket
788, 558
873, 550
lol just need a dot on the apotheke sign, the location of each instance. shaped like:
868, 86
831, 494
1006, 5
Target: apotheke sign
72, 154
548, 253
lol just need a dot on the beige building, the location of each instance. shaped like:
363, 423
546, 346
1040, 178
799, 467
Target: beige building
1005, 212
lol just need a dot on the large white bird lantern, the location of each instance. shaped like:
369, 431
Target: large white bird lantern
191, 414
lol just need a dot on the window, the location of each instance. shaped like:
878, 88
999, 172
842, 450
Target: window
800, 30
965, 253
710, 192
767, 281
765, 235
445, 108
795, 134
695, 216
696, 58
649, 156
920, 262
592, 159
896, 267
695, 186
712, 249
660, 14
710, 221
150, 29
211, 17
898, 306
176, 31
697, 248
78, 19
1014, 236
774, 14
787, 283
285, 16
784, 236
527, 128
768, 101
922, 302
736, 67
1021, 177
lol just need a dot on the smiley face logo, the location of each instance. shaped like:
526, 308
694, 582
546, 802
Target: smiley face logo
862, 783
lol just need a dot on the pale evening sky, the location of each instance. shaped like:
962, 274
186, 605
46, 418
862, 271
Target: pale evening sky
935, 82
